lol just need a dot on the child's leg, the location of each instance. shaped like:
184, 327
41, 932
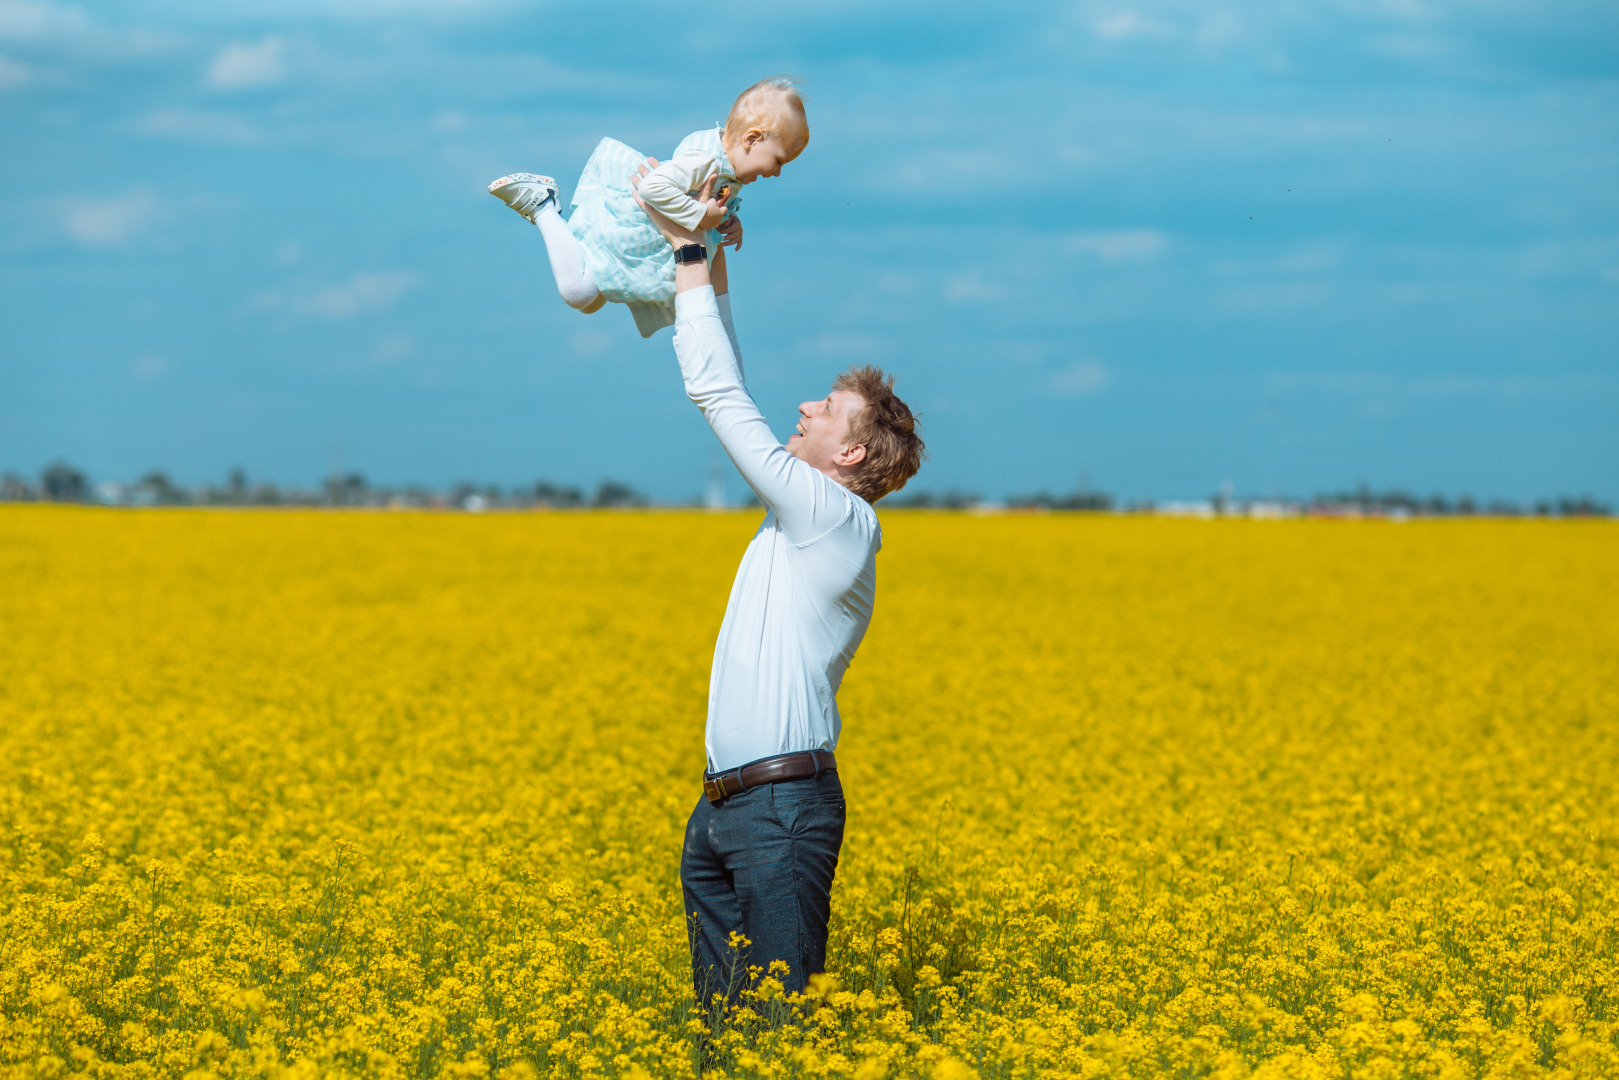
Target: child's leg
574, 282
535, 197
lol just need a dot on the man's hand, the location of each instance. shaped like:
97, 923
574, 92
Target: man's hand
731, 232
687, 275
677, 235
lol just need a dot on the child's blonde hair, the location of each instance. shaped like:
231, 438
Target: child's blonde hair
773, 106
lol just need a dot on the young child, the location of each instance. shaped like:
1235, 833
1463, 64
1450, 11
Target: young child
609, 249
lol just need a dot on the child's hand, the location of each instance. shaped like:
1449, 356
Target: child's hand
712, 215
714, 210
731, 232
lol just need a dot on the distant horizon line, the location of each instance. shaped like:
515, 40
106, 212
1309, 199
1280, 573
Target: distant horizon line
1297, 512
61, 482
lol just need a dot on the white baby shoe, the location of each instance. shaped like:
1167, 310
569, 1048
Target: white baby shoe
525, 192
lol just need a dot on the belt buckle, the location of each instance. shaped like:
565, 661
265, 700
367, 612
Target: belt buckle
715, 789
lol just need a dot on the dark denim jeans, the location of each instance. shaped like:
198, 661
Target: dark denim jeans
761, 863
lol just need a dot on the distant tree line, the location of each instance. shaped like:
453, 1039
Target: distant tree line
1365, 501
62, 482
1361, 502
962, 500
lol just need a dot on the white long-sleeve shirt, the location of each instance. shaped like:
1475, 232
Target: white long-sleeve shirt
804, 593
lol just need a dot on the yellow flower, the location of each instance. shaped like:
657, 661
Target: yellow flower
293, 795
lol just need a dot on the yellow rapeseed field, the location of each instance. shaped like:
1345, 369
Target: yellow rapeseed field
301, 794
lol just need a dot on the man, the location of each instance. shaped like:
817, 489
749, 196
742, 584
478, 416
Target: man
762, 845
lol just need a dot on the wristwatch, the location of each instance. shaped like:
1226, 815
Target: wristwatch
690, 253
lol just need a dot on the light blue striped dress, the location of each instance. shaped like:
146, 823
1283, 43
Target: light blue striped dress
629, 258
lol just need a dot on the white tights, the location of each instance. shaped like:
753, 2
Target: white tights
574, 282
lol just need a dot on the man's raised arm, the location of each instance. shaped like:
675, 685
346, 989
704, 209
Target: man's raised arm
806, 502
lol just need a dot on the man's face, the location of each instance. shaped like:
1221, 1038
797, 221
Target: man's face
823, 426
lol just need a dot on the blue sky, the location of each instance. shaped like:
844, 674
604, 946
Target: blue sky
1156, 245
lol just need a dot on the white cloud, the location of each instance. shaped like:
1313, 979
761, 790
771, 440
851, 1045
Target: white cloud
918, 169
448, 120
899, 283
590, 342
1273, 298
242, 65
1421, 48
31, 19
150, 366
1085, 377
1219, 31
370, 9
1416, 11
108, 221
392, 348
972, 289
1129, 24
841, 346
1319, 259
1590, 255
1315, 259
1402, 386
203, 127
13, 73
1125, 245
361, 294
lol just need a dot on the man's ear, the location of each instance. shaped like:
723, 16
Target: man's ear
851, 455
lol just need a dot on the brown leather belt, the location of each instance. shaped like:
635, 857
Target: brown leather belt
770, 770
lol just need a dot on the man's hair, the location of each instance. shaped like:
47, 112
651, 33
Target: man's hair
775, 107
887, 428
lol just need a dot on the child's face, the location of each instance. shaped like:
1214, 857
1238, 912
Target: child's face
757, 154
